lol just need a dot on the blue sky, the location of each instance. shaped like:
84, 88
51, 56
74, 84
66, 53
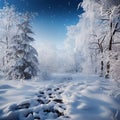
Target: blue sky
53, 16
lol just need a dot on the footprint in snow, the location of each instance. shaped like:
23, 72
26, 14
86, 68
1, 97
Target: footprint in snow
46, 104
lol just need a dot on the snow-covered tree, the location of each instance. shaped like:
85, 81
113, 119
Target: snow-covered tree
112, 36
106, 40
18, 57
97, 34
23, 63
9, 18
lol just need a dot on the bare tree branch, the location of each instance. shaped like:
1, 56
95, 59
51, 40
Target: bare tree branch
94, 48
116, 43
104, 19
103, 39
3, 42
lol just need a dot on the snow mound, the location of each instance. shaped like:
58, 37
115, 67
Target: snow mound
47, 104
64, 97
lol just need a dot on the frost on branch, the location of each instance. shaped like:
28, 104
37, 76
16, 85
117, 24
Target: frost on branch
19, 58
23, 63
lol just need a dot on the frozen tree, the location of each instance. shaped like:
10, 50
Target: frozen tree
113, 40
82, 35
107, 40
9, 18
23, 63
96, 36
18, 57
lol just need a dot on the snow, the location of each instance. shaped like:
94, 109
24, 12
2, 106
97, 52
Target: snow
62, 97
88, 48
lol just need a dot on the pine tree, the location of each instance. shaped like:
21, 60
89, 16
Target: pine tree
23, 63
9, 18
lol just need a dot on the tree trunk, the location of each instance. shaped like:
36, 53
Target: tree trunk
110, 43
108, 63
112, 33
108, 70
110, 49
3, 61
102, 64
7, 50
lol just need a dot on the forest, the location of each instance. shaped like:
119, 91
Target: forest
79, 81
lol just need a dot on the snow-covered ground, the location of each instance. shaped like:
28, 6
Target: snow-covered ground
62, 97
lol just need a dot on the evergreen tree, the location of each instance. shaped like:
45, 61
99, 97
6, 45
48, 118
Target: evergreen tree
9, 19
23, 63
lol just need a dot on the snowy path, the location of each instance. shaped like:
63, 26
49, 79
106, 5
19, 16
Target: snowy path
65, 97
